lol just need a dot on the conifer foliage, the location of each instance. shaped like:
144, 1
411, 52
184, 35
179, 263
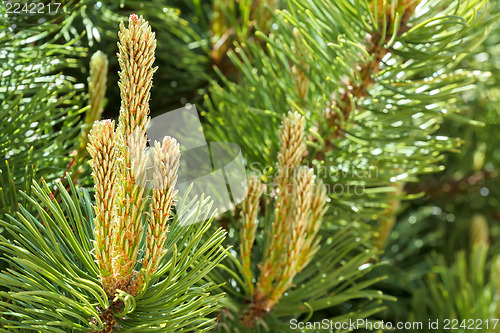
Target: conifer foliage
340, 109
126, 262
40, 100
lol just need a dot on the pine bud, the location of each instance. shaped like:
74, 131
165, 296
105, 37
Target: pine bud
166, 160
119, 163
97, 91
97, 86
291, 142
250, 211
291, 151
136, 56
104, 155
299, 209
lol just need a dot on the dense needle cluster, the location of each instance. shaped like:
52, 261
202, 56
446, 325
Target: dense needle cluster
119, 161
299, 209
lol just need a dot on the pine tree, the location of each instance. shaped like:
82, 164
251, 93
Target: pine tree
375, 80
349, 115
124, 262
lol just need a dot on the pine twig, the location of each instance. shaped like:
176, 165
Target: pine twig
102, 148
299, 209
136, 56
340, 110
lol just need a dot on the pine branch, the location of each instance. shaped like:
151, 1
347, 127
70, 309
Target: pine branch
288, 242
83, 267
55, 285
387, 74
377, 47
41, 102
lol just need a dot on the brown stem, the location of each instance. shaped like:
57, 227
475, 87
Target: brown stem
259, 17
255, 311
108, 317
357, 91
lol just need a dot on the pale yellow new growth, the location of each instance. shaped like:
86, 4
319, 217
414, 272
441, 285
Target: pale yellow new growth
479, 230
120, 167
136, 56
97, 86
292, 144
318, 209
97, 91
104, 155
250, 211
297, 226
299, 209
165, 177
292, 150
